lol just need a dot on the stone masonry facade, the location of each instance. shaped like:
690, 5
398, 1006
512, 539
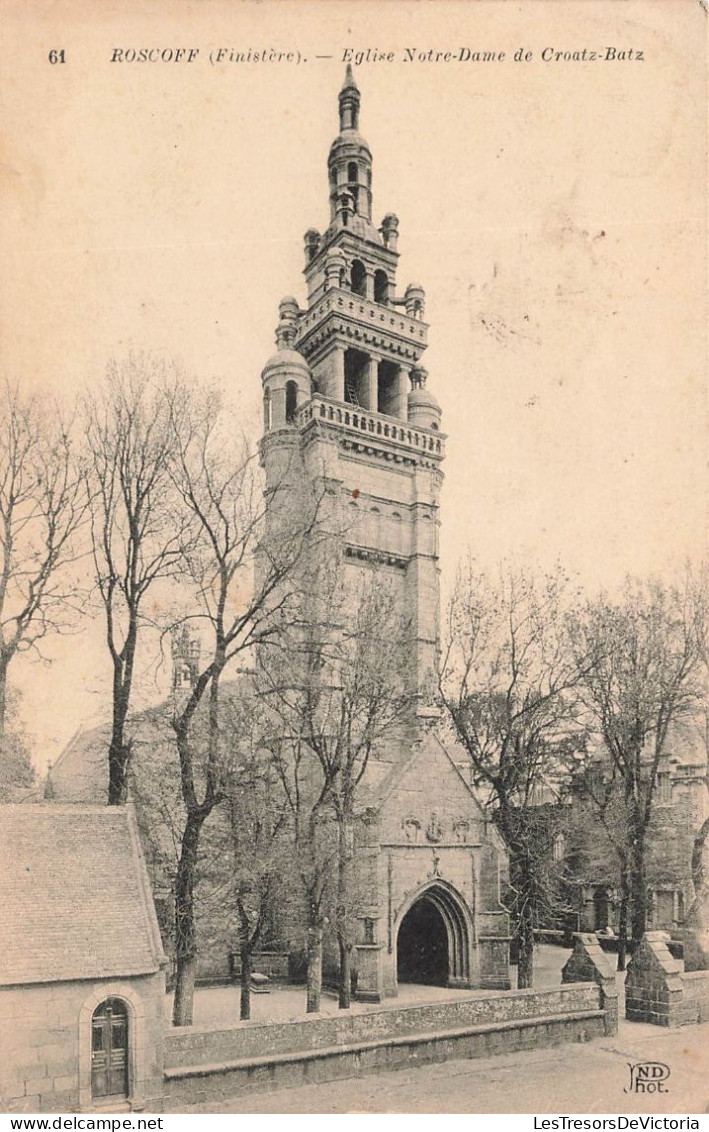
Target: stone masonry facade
49, 1027
659, 990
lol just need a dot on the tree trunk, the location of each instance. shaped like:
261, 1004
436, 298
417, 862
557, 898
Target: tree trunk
246, 969
523, 882
182, 1008
118, 759
314, 985
525, 937
345, 991
343, 917
3, 698
623, 917
638, 890
185, 934
119, 750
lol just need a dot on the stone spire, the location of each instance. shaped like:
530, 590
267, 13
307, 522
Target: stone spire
350, 163
349, 102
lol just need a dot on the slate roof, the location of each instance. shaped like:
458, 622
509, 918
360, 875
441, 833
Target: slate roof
75, 895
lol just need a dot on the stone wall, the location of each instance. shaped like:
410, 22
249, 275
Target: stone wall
696, 993
659, 990
205, 1044
47, 1026
204, 1063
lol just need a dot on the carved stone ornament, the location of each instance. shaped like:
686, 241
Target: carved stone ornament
461, 829
411, 827
434, 829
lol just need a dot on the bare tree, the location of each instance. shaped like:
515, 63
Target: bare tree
220, 490
244, 858
336, 692
259, 858
599, 824
41, 508
643, 675
312, 839
137, 532
508, 682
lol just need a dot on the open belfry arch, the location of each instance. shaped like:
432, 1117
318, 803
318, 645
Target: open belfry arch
349, 413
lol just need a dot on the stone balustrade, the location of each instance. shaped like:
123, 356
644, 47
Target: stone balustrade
385, 318
372, 425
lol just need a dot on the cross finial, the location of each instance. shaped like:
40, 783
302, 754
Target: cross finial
349, 83
349, 102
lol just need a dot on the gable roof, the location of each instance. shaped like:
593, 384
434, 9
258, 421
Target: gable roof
76, 898
388, 776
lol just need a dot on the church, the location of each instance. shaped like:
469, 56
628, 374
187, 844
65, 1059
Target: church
347, 404
347, 408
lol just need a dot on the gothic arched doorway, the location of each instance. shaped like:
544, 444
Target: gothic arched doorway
601, 909
109, 1049
432, 943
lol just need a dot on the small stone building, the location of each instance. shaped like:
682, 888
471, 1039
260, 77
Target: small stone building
434, 868
680, 806
82, 983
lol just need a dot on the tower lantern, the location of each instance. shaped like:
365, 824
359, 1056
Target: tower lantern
347, 402
350, 159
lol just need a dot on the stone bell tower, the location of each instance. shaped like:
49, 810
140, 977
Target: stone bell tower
346, 398
349, 419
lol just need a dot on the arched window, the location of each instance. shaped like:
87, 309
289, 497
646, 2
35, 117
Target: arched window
109, 1049
357, 379
381, 287
388, 389
353, 183
291, 401
601, 909
267, 410
358, 278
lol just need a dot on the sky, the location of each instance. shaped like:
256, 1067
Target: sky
554, 209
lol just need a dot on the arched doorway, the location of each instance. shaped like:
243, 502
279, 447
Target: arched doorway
433, 940
601, 909
422, 946
109, 1049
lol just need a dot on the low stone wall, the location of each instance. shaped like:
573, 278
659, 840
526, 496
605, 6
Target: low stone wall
659, 990
203, 1044
203, 1061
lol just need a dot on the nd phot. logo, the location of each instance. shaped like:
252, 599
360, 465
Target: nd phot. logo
648, 1077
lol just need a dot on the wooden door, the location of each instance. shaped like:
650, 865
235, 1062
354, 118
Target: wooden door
109, 1050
